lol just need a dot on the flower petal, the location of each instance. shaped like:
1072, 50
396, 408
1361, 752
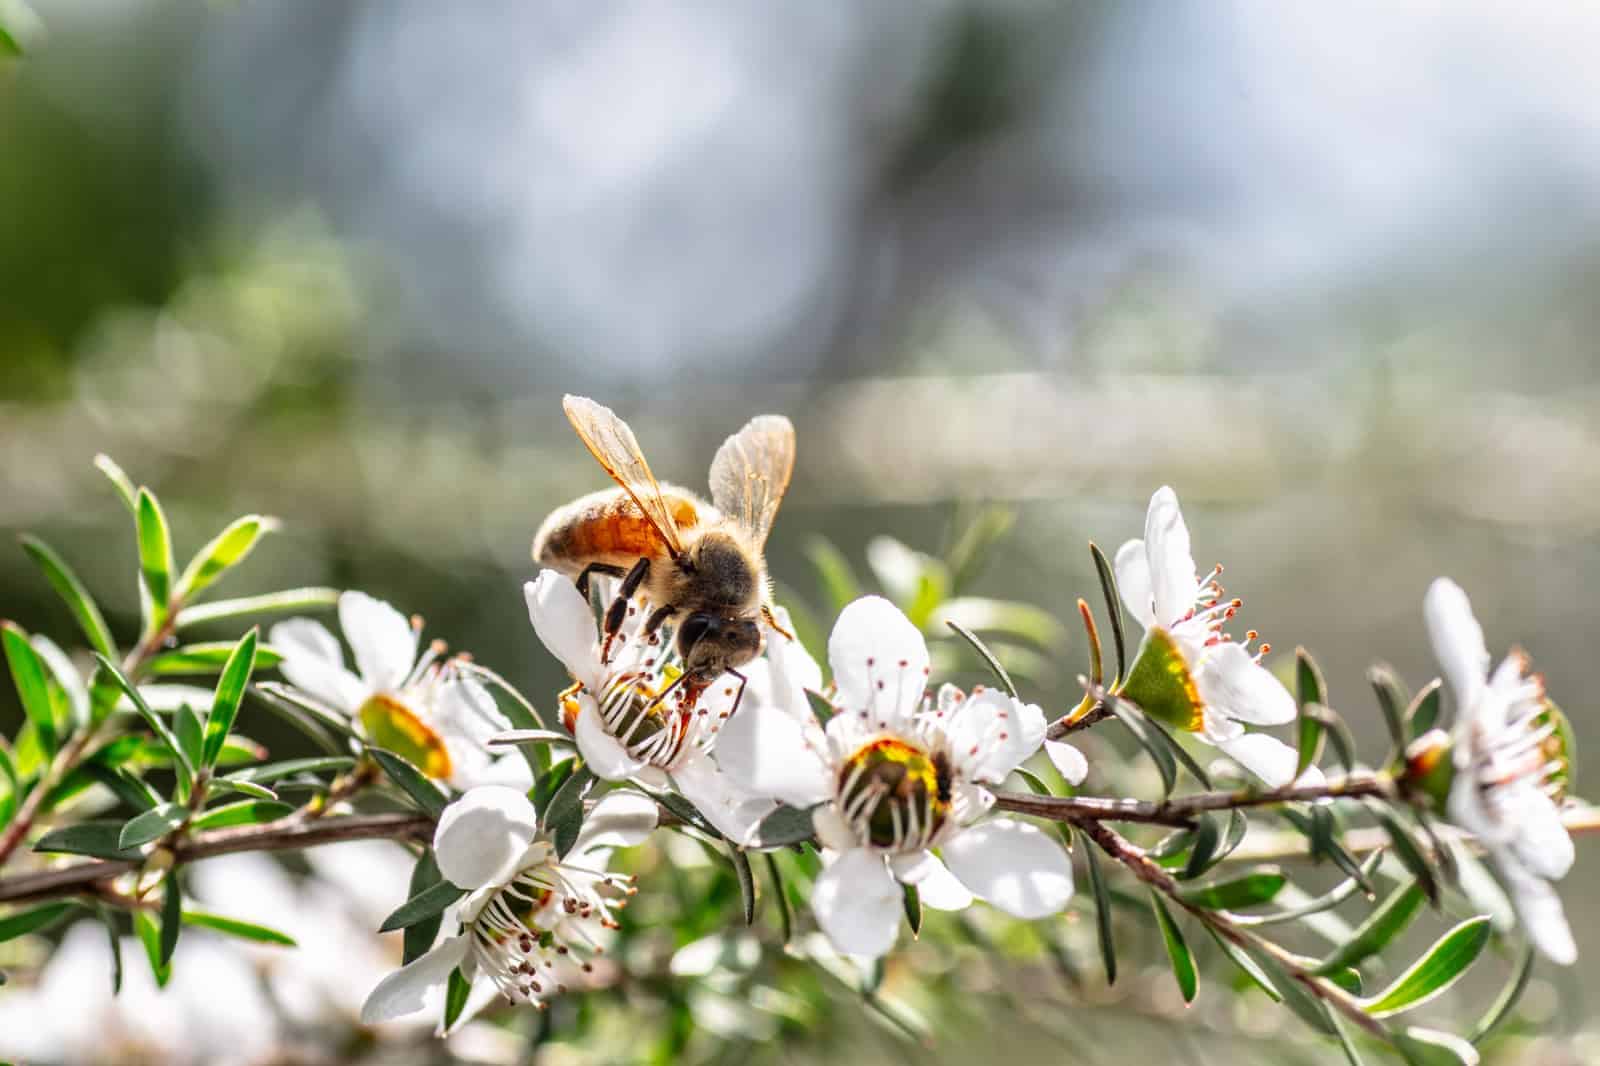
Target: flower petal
562, 619
1457, 642
383, 640
482, 835
1265, 756
603, 752
990, 734
1234, 685
858, 904
1540, 910
406, 990
734, 812
1014, 865
1132, 568
1067, 760
621, 819
790, 670
879, 660
312, 661
768, 753
1174, 586
936, 886
1542, 842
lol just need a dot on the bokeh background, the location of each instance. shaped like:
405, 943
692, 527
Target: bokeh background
1328, 271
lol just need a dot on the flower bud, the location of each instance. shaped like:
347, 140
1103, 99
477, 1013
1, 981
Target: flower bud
1429, 769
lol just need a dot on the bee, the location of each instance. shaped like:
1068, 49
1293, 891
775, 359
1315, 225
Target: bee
700, 564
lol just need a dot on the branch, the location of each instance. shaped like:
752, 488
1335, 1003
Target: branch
1066, 726
1094, 808
1181, 810
274, 836
1262, 847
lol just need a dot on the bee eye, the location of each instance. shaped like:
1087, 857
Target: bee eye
693, 629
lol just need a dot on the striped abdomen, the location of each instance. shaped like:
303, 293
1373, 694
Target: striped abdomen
608, 527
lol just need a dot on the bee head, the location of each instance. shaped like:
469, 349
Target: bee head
711, 645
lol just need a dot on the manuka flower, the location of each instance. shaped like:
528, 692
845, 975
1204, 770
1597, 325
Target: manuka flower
532, 920
895, 777
421, 708
1189, 673
630, 713
1511, 767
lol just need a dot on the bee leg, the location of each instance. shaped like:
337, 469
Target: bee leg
657, 618
767, 617
743, 681
619, 606
596, 568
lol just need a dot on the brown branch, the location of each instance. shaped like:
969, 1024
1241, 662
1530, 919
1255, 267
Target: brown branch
274, 836
1182, 810
1066, 725
1579, 821
1071, 808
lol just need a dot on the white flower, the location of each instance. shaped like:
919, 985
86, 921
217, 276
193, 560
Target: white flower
632, 717
1189, 673
897, 777
1511, 765
532, 921
414, 705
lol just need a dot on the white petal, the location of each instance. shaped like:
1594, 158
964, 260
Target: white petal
1265, 756
990, 734
1067, 760
1173, 583
1233, 684
1014, 865
1542, 843
936, 886
769, 753
564, 624
312, 661
791, 670
621, 819
879, 660
1457, 641
833, 832
603, 752
405, 991
1539, 908
512, 771
858, 904
1132, 568
384, 643
734, 812
482, 835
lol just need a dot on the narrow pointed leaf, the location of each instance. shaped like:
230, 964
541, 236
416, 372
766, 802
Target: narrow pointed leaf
207, 658
155, 558
1254, 888
912, 901
1427, 1047
1296, 997
411, 781
1102, 909
262, 775
1327, 901
1309, 689
74, 593
28, 673
1407, 850
34, 919
149, 933
1160, 753
134, 791
1423, 714
1177, 950
785, 915
97, 839
245, 788
455, 997
986, 655
304, 599
1108, 589
1380, 927
1207, 836
190, 733
420, 935
564, 818
226, 550
785, 826
260, 934
171, 918
1436, 971
108, 918
244, 812
1246, 964
1392, 701
429, 902
119, 481
747, 882
152, 825
1506, 1002
151, 718
230, 693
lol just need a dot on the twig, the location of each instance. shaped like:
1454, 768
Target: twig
1068, 808
1181, 810
1066, 725
1264, 847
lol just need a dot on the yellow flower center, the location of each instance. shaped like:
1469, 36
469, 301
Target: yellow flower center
388, 723
894, 793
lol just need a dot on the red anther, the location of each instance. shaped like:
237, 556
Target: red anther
1265, 648
904, 664
1238, 602
870, 660
1250, 635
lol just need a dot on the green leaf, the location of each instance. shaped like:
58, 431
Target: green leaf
1392, 701
1382, 926
120, 481
108, 918
747, 881
821, 706
187, 728
563, 819
1309, 689
74, 592
34, 919
151, 719
548, 783
207, 658
1108, 589
1407, 850
28, 673
1246, 964
244, 812
839, 581
303, 599
455, 997
1351, 1056
319, 723
97, 839
226, 550
1435, 971
422, 791
1102, 908
1256, 887
133, 791
785, 826
149, 932
1305, 1006
1337, 895
152, 825
1506, 1002
1423, 714
1177, 951
1334, 729
241, 929
171, 917
277, 771
785, 915
1133, 716
1425, 1047
1207, 835
429, 902
420, 935
155, 558
244, 788
986, 655
230, 692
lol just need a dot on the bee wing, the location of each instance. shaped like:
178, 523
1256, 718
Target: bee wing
609, 440
751, 473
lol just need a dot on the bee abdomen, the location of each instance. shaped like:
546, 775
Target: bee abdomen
606, 527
